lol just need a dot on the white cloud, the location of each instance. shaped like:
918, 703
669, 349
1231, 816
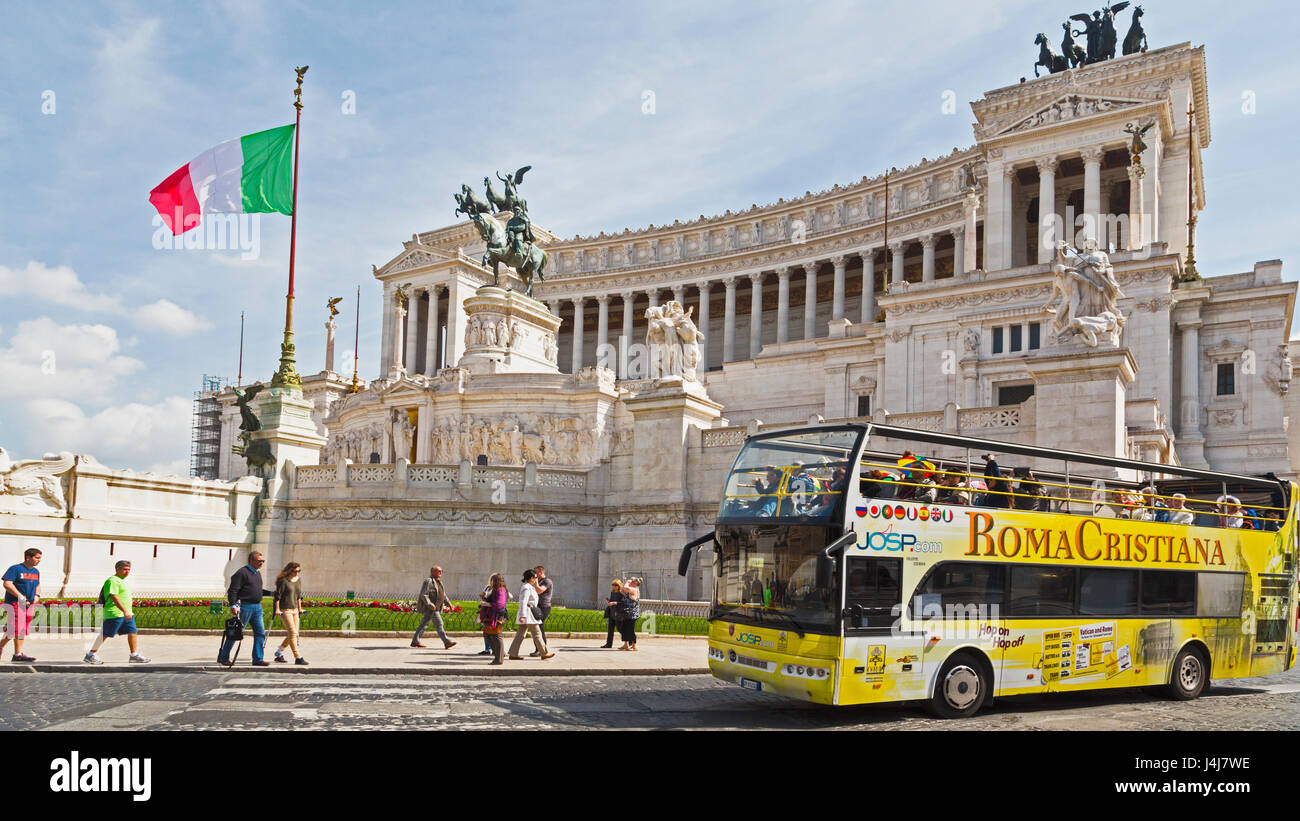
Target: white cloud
166, 315
62, 286
138, 436
59, 285
50, 360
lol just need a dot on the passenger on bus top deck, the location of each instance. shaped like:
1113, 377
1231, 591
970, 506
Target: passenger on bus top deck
1152, 509
1178, 512
1230, 513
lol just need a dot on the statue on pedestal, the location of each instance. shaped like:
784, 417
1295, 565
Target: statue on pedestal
673, 339
256, 453
1085, 295
514, 243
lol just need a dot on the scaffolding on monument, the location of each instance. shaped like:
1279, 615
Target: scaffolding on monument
205, 428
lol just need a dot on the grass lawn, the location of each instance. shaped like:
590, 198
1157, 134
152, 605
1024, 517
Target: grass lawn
361, 615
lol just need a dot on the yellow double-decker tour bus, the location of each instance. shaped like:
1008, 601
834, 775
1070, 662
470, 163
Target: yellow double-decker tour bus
863, 563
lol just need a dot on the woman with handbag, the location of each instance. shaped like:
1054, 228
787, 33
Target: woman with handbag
628, 610
611, 611
492, 614
529, 619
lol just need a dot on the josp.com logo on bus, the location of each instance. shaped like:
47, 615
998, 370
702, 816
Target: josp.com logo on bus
911, 513
896, 542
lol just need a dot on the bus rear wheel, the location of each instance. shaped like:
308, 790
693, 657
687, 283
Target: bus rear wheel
961, 687
1190, 674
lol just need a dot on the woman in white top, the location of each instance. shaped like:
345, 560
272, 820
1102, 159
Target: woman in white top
1230, 511
527, 621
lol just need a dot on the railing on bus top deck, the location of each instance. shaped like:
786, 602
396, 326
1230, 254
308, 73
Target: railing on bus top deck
916, 483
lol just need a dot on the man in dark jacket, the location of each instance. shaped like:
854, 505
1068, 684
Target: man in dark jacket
543, 599
993, 478
245, 599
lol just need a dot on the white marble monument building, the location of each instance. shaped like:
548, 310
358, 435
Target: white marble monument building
497, 435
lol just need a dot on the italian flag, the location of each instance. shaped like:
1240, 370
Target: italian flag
253, 174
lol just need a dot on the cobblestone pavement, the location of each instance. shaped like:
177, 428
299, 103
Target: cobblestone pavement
263, 700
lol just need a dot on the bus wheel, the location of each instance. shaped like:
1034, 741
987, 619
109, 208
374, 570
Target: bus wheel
1189, 675
961, 687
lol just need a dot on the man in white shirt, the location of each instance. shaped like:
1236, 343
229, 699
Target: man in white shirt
1178, 512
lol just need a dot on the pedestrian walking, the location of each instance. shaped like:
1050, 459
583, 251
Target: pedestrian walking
529, 619
288, 606
492, 614
429, 605
544, 588
22, 584
245, 599
628, 610
611, 611
119, 618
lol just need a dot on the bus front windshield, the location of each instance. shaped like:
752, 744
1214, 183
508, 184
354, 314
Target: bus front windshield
766, 574
797, 476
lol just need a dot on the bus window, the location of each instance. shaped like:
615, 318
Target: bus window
959, 585
1108, 592
1168, 593
876, 585
1220, 595
1041, 591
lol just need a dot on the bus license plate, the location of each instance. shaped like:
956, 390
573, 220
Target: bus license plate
750, 684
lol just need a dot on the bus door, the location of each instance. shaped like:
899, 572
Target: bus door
881, 661
957, 607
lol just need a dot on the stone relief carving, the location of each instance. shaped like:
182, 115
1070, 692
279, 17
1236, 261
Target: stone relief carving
1278, 373
549, 348
34, 484
971, 340
403, 431
514, 439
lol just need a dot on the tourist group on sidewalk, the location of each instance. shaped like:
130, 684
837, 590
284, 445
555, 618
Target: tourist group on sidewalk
244, 596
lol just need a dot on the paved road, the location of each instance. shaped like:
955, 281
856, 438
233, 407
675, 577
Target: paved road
247, 699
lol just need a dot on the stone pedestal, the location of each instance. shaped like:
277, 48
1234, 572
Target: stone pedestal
1080, 398
288, 427
665, 414
507, 332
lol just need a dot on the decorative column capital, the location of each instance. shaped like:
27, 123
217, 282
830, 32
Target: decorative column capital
577, 301
839, 261
1092, 155
1046, 165
927, 241
602, 299
868, 256
1008, 171
730, 282
957, 231
756, 277
783, 273
627, 296
810, 268
704, 285
896, 247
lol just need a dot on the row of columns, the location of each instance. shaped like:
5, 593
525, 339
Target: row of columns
399, 352
964, 259
1001, 218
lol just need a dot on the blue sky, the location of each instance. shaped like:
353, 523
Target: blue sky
753, 101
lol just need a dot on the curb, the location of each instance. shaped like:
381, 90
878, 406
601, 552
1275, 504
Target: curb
503, 670
386, 634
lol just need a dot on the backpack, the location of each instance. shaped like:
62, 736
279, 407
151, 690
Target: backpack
103, 600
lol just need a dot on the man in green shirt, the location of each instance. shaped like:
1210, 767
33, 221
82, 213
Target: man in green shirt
118, 616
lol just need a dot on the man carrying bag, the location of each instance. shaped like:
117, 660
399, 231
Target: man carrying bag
245, 600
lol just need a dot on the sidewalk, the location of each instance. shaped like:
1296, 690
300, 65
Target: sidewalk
369, 654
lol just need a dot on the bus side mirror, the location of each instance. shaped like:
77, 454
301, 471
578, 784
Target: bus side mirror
825, 576
855, 615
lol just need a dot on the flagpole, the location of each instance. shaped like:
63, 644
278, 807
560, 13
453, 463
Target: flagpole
356, 388
287, 376
239, 380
